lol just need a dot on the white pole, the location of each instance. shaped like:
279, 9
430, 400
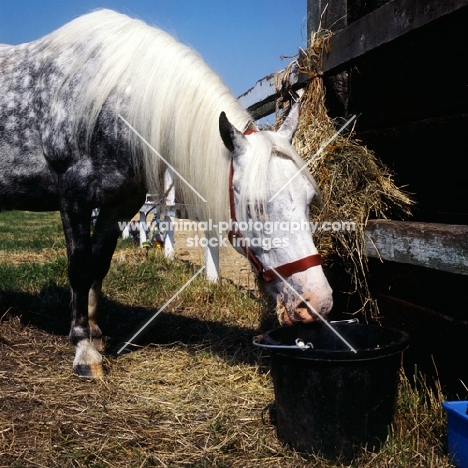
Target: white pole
142, 226
211, 258
169, 218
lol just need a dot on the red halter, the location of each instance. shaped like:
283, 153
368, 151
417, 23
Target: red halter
286, 269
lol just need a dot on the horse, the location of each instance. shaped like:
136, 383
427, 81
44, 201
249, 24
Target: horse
91, 116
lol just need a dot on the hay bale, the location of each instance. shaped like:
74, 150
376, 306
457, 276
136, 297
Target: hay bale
355, 185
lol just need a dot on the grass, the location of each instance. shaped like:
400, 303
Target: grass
30, 232
192, 392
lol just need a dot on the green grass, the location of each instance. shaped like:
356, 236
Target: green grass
135, 278
26, 231
31, 277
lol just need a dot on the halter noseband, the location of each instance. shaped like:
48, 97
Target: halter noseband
286, 269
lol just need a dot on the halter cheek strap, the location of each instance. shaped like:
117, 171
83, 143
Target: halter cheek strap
286, 269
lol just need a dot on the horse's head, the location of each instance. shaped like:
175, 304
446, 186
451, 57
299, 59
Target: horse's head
270, 197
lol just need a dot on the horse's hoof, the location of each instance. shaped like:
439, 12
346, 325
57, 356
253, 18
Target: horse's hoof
89, 371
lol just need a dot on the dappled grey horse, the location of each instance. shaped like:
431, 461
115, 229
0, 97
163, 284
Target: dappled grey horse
92, 114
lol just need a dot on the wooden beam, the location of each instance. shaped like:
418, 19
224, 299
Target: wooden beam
408, 129
439, 246
260, 100
394, 19
385, 24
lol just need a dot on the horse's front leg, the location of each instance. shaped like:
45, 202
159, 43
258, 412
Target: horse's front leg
104, 241
77, 223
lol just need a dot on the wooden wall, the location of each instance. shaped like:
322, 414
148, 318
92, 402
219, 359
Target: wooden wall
400, 65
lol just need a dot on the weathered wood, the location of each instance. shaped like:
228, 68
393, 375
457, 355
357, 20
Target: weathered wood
439, 246
326, 14
358, 8
260, 100
408, 129
436, 246
331, 16
387, 23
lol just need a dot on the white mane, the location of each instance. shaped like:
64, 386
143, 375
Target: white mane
166, 92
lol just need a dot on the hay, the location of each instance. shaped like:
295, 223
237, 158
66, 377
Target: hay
355, 185
28, 257
176, 404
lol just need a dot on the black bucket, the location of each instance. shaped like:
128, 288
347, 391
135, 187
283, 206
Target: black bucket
331, 400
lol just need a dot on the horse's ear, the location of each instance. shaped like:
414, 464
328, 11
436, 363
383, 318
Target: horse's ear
289, 127
232, 138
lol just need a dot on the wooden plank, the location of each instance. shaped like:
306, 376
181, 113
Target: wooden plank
439, 246
260, 100
409, 129
387, 23
262, 94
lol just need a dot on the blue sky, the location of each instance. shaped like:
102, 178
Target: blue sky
242, 40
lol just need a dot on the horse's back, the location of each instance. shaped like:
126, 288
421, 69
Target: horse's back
26, 181
40, 134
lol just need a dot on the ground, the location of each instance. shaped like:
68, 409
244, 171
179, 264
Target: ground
233, 266
191, 391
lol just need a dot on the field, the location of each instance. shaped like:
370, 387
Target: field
193, 392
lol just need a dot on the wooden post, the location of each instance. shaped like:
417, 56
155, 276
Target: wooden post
331, 15
326, 14
211, 251
169, 218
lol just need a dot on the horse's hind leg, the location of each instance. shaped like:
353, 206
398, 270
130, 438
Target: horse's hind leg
89, 259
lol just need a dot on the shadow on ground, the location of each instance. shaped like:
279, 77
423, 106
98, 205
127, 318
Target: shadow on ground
50, 311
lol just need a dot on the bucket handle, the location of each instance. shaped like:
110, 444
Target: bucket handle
257, 340
349, 321
299, 344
